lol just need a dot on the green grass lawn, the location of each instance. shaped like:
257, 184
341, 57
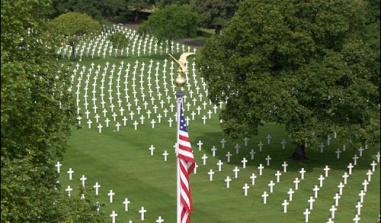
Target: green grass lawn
120, 161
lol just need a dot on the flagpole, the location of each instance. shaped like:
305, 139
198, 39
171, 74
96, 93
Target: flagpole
180, 82
179, 96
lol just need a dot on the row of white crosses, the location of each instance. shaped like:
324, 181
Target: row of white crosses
362, 193
340, 187
135, 102
100, 46
110, 194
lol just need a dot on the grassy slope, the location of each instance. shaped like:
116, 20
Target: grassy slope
121, 162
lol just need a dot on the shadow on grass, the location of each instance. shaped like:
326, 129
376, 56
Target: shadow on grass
316, 160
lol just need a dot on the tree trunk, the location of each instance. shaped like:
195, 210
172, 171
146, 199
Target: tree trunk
136, 16
72, 57
300, 153
217, 29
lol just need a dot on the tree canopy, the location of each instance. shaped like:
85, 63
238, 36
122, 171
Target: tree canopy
310, 65
118, 40
73, 26
36, 115
171, 22
215, 13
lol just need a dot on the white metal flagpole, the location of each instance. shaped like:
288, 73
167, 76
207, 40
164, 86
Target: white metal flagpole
179, 206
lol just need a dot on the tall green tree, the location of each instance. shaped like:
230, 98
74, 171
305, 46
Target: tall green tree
305, 64
36, 113
99, 9
172, 22
215, 13
73, 26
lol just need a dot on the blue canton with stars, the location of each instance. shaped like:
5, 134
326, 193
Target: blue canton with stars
183, 125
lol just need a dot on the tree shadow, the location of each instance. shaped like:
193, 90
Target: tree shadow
316, 159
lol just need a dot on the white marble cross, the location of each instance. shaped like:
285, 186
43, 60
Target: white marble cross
246, 140
271, 186
321, 180
151, 149
245, 189
358, 208
285, 204
260, 145
199, 144
268, 159
111, 195
195, 168
373, 164
365, 185
284, 165
355, 158
361, 195
58, 165
83, 179
321, 148
219, 164
290, 193
337, 198
204, 158
345, 177
278, 174
236, 170
341, 186
214, 149
268, 137
113, 216
97, 186
260, 168
68, 190
311, 201
350, 167
126, 202
338, 152
222, 143
296, 183
237, 147
356, 219
326, 170
253, 177
244, 161
252, 154
369, 173
70, 172
333, 210
264, 196
316, 190
211, 173
142, 212
227, 181
159, 220
228, 155
165, 155
306, 213
360, 151
302, 172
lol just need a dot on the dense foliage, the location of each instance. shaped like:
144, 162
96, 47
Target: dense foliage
171, 22
36, 114
215, 13
310, 65
99, 9
73, 26
118, 40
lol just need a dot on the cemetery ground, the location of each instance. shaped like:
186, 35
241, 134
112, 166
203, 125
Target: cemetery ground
121, 161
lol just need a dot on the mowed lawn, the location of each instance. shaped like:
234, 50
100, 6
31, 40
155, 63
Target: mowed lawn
120, 161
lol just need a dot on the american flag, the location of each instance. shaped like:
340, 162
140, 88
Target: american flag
186, 165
